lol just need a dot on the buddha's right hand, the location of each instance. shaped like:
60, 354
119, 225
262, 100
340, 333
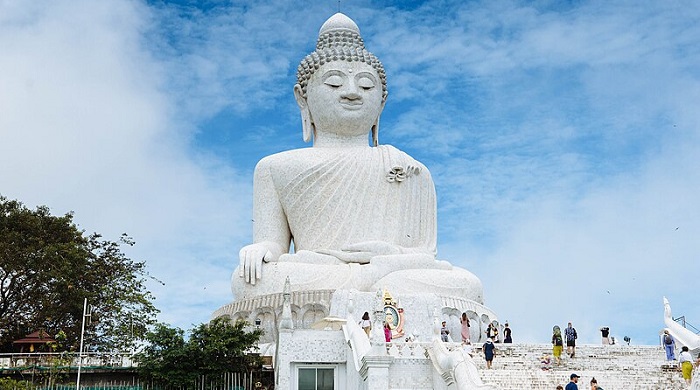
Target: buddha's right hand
252, 257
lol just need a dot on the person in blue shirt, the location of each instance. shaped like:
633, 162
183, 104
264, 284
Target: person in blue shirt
570, 336
488, 349
573, 380
669, 345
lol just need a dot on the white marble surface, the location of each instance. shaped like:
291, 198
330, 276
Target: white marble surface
683, 336
359, 216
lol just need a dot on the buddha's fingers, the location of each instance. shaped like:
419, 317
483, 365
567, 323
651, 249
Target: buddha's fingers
258, 265
241, 259
253, 267
250, 273
251, 259
349, 257
375, 248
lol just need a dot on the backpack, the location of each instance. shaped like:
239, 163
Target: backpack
668, 339
557, 340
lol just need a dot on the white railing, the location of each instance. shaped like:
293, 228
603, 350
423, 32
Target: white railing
66, 359
412, 350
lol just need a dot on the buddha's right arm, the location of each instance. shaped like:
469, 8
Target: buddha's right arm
271, 235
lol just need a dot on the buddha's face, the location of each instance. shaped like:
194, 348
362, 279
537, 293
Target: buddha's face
344, 98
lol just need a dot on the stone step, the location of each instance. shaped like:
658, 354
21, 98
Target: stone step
616, 367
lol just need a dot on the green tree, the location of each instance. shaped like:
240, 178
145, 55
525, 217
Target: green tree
48, 267
211, 350
12, 384
223, 346
168, 359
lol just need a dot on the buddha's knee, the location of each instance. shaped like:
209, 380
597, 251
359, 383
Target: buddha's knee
456, 282
302, 277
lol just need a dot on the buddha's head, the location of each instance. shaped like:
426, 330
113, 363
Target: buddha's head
341, 87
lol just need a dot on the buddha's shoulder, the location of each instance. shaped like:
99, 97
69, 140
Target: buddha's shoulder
402, 156
293, 159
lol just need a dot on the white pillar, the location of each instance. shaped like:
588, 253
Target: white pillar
375, 371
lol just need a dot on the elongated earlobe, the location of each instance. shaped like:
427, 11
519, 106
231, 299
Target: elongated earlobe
306, 122
375, 127
306, 125
375, 133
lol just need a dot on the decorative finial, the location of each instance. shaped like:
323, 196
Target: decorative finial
286, 320
339, 22
287, 287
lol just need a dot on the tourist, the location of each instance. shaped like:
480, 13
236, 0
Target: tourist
387, 332
669, 345
573, 380
507, 333
686, 362
605, 333
557, 344
467, 348
560, 387
546, 362
488, 349
570, 336
465, 328
491, 332
594, 384
444, 332
365, 323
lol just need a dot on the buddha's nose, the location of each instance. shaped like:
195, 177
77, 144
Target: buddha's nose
352, 92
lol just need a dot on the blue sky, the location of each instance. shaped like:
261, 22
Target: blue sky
563, 139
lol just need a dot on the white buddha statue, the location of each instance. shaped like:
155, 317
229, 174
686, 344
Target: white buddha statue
359, 216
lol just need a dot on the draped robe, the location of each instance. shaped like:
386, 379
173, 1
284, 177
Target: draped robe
352, 196
327, 198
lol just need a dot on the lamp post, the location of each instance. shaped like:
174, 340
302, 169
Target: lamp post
82, 336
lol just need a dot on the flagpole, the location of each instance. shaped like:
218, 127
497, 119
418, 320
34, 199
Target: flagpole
80, 353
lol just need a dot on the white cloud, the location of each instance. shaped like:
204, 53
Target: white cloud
87, 127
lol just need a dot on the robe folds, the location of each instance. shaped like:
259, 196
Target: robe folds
324, 199
333, 198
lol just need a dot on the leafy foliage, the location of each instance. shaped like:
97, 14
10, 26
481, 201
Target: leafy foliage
48, 267
12, 384
167, 359
212, 349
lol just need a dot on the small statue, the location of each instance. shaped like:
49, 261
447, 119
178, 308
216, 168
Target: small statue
679, 332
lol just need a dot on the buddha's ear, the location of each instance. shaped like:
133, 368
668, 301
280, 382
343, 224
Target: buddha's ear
375, 127
306, 122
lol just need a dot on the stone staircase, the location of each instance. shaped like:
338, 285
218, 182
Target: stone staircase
616, 367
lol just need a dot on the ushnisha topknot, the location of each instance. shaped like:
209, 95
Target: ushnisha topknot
338, 40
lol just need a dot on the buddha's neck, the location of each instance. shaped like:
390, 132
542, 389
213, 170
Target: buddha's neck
333, 140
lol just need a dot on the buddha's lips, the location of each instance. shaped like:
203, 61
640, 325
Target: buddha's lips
351, 104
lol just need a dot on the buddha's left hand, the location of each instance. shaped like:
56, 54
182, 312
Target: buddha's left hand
362, 252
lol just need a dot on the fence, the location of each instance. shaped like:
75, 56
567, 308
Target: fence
67, 359
226, 381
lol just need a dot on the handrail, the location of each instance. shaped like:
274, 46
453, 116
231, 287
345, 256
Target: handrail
681, 320
71, 359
